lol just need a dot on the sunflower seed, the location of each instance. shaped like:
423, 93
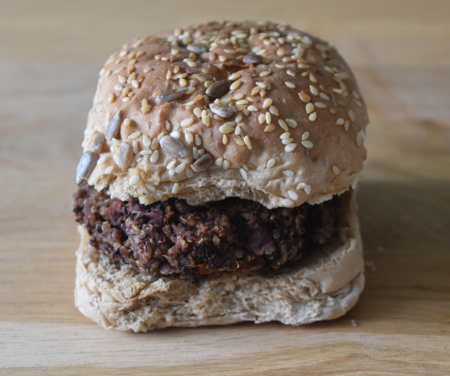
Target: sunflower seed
197, 48
223, 110
173, 147
170, 95
87, 163
97, 145
252, 59
203, 163
114, 126
218, 89
125, 156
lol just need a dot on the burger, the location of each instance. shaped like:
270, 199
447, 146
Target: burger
218, 179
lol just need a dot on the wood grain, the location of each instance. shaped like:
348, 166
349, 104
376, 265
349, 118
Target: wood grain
50, 54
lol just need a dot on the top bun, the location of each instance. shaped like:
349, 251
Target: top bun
255, 110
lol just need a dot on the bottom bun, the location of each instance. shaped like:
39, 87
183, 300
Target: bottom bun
325, 285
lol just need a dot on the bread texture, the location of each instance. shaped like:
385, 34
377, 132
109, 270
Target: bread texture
288, 128
323, 286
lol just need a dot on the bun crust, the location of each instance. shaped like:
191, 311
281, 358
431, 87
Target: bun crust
324, 287
291, 130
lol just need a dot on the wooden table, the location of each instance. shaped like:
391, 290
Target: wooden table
50, 53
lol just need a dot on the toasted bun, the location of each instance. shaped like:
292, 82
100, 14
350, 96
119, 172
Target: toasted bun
324, 286
290, 130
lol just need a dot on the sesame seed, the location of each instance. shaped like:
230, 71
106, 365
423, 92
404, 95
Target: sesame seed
235, 85
346, 125
155, 156
305, 136
134, 135
219, 162
307, 189
283, 125
307, 144
285, 135
261, 118
243, 173
226, 164
176, 188
122, 79
238, 118
183, 82
175, 134
268, 118
309, 108
293, 195
227, 127
290, 147
313, 116
335, 170
255, 90
351, 115
287, 141
290, 72
288, 173
186, 122
273, 110
179, 169
304, 97
238, 130
197, 112
340, 121
287, 202
109, 170
291, 123
289, 84
360, 137
265, 73
269, 128
189, 173
271, 162
267, 103
118, 87
206, 119
134, 180
248, 142
135, 147
191, 63
320, 105
135, 84
234, 76
224, 139
155, 143
312, 78
145, 109
198, 140
313, 90
146, 140
252, 108
188, 136
239, 141
324, 96
195, 153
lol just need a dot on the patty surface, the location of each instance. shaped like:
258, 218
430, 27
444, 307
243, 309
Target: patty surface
173, 239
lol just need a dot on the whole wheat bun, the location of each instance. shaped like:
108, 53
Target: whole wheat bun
294, 134
326, 286
259, 111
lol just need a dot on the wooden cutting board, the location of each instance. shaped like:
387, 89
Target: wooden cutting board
50, 53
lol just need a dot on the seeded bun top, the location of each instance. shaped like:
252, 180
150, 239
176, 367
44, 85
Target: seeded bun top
260, 111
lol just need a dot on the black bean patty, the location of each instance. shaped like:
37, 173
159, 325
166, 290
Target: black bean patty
173, 239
